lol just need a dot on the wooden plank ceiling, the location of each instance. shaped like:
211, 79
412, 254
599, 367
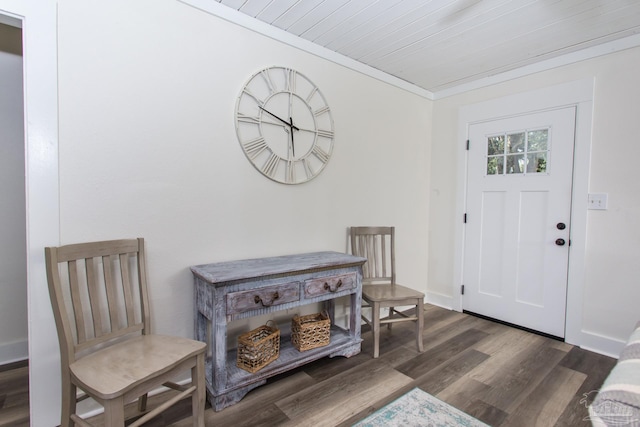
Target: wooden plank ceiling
440, 44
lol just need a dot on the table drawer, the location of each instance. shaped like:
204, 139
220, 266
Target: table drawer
256, 299
329, 285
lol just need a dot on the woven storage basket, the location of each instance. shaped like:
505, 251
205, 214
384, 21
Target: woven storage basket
258, 348
310, 331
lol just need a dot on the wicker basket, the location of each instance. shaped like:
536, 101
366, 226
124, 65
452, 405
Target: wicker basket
310, 331
258, 348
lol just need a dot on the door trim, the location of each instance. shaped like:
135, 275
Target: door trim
40, 79
579, 94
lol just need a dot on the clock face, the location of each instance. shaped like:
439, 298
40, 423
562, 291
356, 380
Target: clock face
284, 125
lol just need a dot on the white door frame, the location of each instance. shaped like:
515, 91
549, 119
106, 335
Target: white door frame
580, 95
38, 19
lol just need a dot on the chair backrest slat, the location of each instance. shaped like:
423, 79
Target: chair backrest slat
102, 297
76, 301
383, 245
370, 247
126, 290
93, 285
111, 289
377, 245
367, 251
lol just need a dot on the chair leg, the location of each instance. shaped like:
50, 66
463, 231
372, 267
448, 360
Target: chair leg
420, 324
68, 400
391, 311
198, 396
114, 412
375, 314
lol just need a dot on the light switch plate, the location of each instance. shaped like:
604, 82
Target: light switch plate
598, 201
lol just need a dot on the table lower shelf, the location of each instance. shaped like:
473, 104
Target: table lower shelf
240, 382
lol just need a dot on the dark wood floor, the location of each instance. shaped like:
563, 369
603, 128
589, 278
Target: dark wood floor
500, 375
14, 394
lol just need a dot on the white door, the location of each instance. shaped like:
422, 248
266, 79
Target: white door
518, 207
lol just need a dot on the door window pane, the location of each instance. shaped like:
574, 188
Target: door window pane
495, 145
537, 140
537, 162
495, 165
515, 143
515, 163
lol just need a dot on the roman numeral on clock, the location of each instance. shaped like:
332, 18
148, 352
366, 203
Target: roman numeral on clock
320, 154
254, 147
325, 133
291, 171
307, 167
267, 78
248, 119
320, 111
271, 165
289, 80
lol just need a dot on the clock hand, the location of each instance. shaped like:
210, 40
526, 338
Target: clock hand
270, 113
307, 130
293, 147
283, 121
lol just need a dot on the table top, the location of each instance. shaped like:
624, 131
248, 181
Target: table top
228, 271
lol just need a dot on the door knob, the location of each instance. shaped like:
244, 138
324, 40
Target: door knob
560, 242
561, 226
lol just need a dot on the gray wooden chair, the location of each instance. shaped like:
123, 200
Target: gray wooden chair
99, 296
379, 287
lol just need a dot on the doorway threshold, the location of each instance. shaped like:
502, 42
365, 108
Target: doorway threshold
513, 325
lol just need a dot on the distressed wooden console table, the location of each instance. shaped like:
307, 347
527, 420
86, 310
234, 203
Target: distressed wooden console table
232, 290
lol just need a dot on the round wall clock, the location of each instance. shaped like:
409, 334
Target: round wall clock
284, 125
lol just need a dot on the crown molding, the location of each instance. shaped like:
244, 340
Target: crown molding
275, 33
549, 64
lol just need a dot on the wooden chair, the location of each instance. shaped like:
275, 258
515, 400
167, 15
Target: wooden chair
379, 287
99, 295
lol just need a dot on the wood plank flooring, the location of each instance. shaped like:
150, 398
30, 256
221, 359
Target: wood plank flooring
14, 394
498, 374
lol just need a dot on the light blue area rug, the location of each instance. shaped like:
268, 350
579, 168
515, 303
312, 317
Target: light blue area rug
419, 409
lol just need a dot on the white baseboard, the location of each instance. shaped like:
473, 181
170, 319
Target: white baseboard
600, 344
444, 301
14, 352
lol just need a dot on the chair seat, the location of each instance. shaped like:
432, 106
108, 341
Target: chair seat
388, 292
119, 368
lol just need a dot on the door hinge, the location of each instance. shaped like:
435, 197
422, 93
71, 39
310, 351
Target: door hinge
464, 219
467, 145
462, 290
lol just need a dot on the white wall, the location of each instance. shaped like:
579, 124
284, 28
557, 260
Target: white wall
610, 291
13, 264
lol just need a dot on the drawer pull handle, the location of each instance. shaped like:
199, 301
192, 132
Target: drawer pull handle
259, 300
328, 287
